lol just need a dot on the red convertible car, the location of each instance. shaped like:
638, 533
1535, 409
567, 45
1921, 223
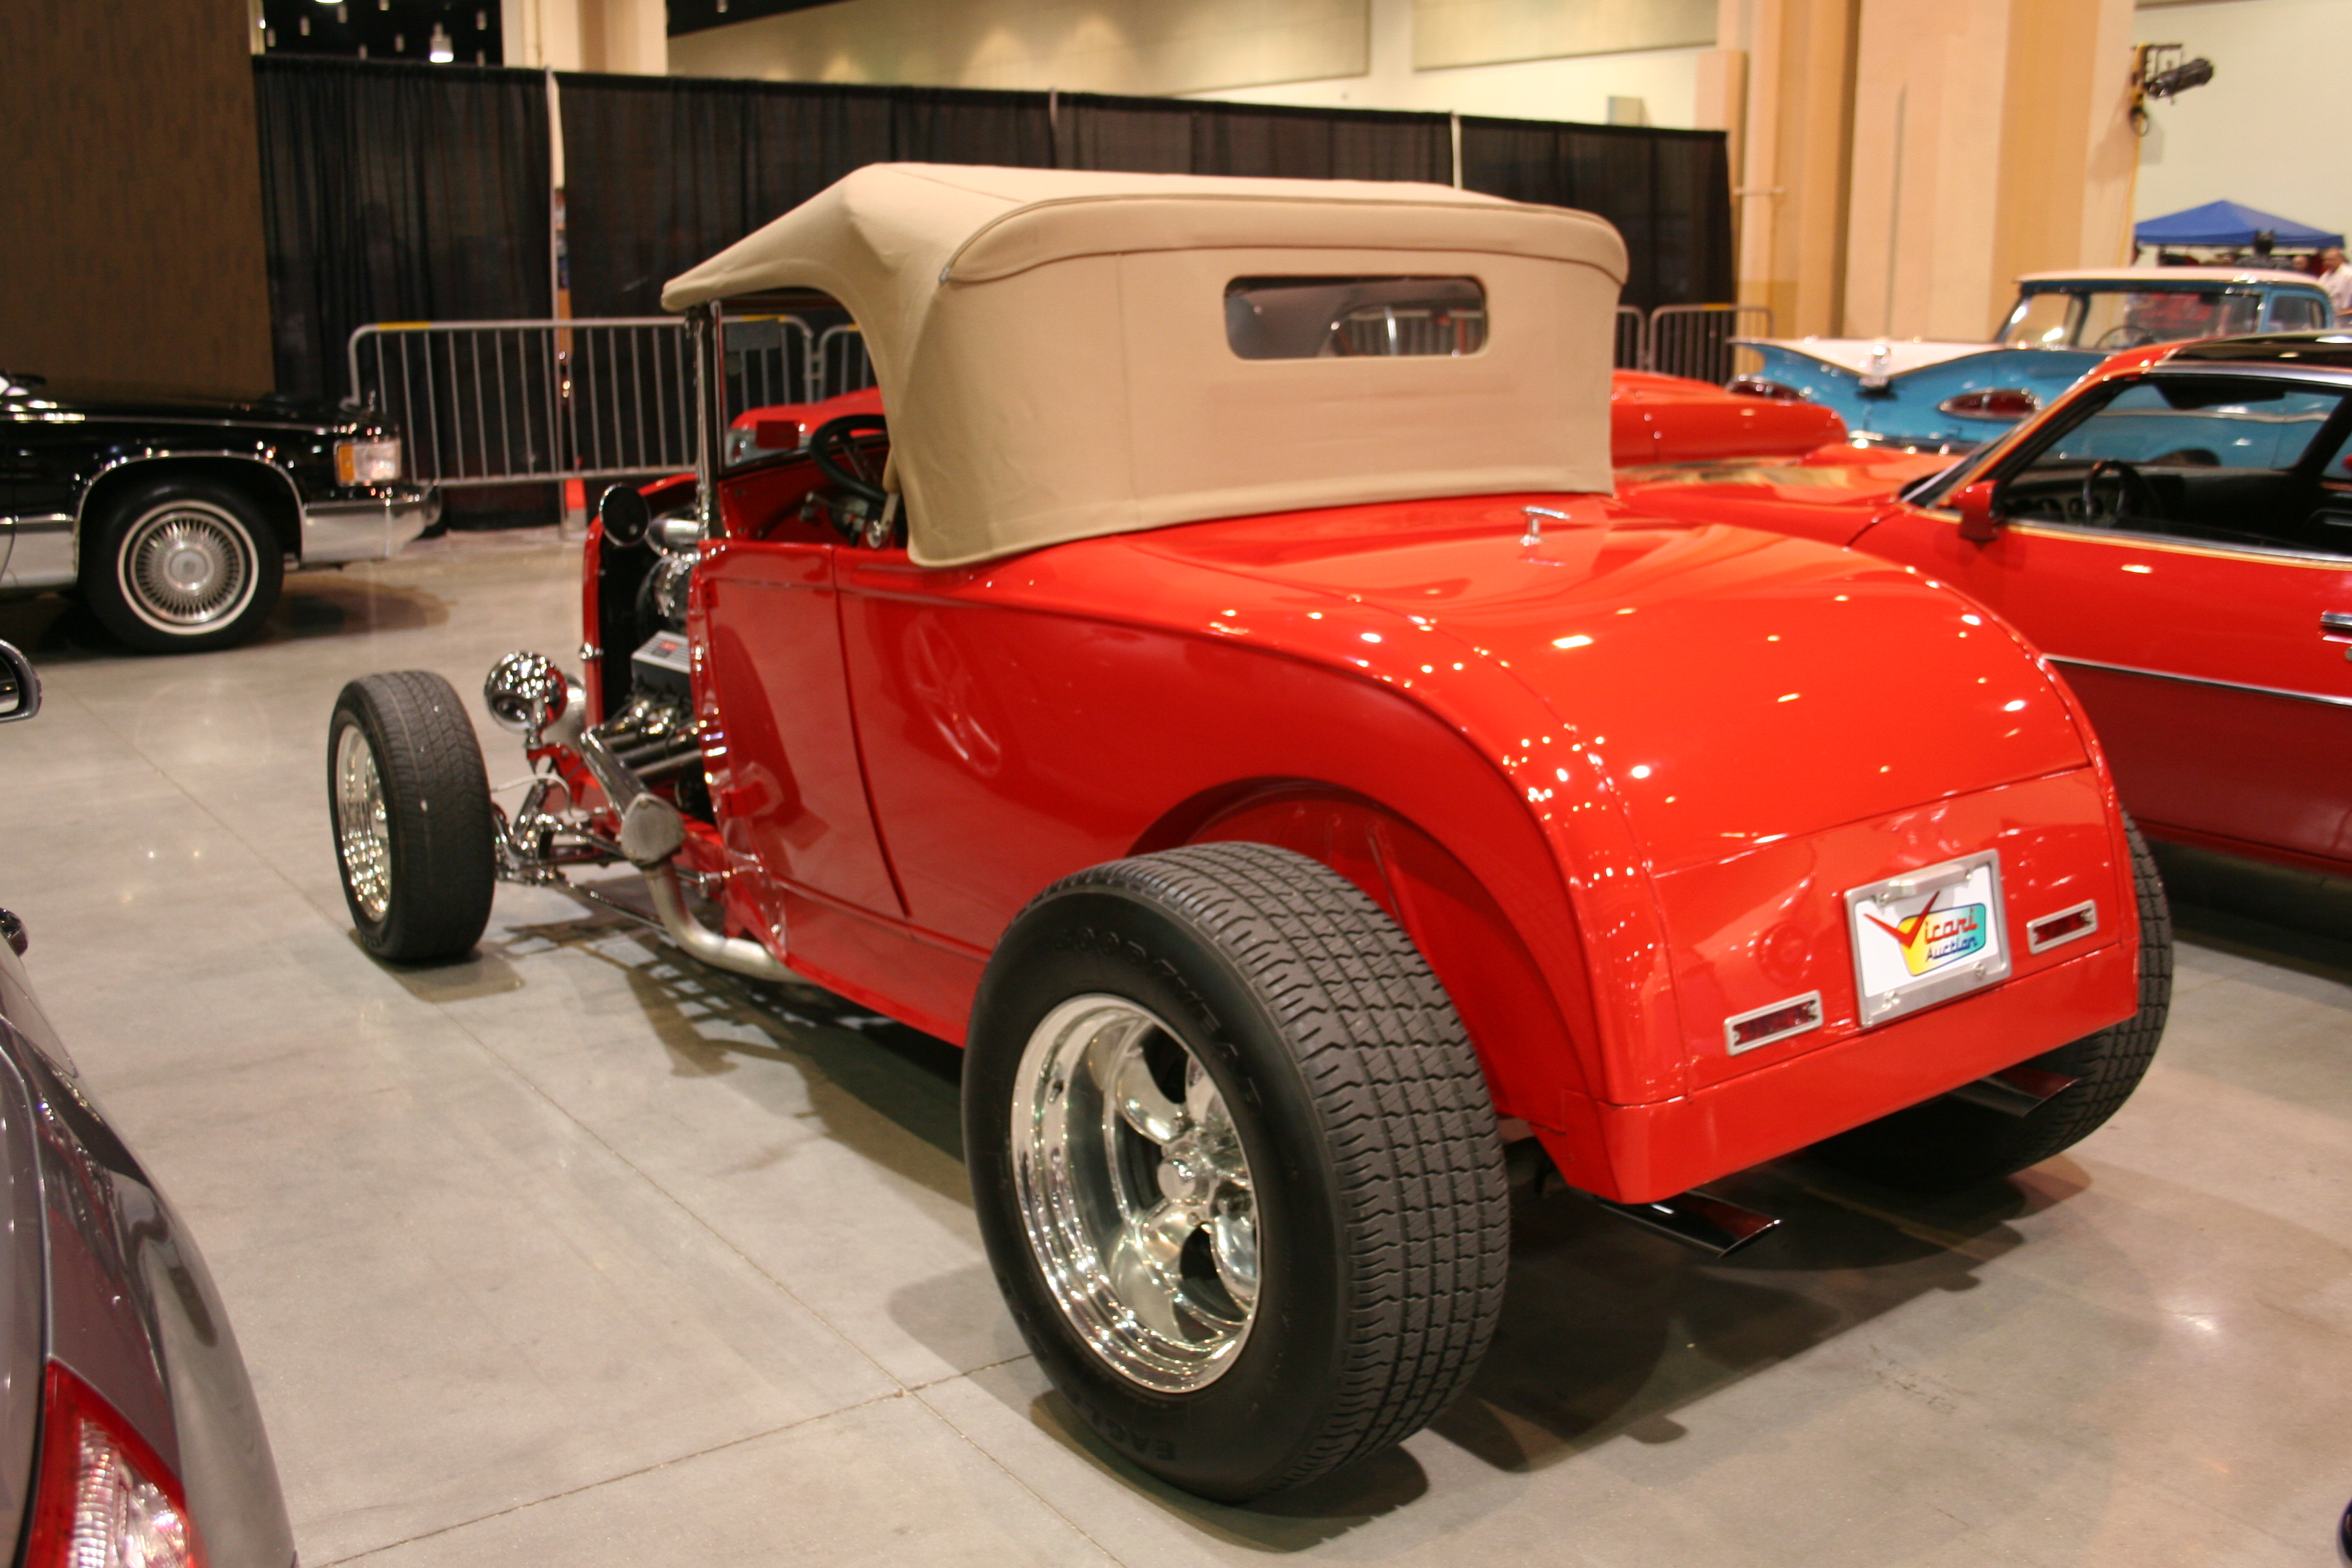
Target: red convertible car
1292, 776
2176, 536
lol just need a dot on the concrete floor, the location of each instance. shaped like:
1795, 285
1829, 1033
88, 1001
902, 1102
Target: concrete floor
575, 1254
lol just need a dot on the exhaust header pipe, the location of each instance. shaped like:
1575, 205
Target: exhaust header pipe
652, 833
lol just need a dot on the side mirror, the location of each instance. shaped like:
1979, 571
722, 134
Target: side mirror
624, 514
20, 689
1979, 523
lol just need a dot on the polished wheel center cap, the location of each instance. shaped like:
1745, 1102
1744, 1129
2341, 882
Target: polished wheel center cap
189, 568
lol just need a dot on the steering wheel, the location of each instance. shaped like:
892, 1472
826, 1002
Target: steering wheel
2124, 337
2133, 493
840, 459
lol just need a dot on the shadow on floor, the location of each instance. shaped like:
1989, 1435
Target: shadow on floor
57, 629
872, 1081
1607, 1330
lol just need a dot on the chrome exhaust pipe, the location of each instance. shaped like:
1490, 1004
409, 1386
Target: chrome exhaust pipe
737, 956
1709, 1225
652, 833
2014, 1092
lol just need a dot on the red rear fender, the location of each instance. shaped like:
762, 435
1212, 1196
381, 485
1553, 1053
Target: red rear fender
1532, 1056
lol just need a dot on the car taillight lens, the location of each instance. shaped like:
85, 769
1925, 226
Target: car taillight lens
368, 462
1993, 402
101, 1498
1756, 386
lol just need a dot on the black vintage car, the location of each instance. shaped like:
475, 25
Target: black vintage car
128, 1428
176, 520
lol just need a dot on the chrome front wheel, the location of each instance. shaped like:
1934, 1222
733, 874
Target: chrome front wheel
1135, 1193
412, 817
363, 826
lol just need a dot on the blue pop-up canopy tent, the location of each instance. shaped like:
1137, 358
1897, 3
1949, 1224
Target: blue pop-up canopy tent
2228, 223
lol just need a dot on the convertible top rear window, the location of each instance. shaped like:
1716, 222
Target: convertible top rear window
1329, 317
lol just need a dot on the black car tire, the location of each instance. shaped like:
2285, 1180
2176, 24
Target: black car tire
181, 566
415, 853
1943, 1144
1381, 1211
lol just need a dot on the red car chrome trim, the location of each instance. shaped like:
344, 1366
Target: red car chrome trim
1773, 1021
2066, 925
2200, 681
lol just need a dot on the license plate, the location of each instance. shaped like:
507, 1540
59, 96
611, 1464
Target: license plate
1927, 936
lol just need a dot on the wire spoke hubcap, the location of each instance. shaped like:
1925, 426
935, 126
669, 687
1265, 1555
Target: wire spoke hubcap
363, 831
1135, 1193
187, 565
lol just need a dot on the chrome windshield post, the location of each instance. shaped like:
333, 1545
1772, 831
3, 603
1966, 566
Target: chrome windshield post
702, 323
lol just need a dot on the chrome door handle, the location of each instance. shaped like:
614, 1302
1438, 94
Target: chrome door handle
2336, 623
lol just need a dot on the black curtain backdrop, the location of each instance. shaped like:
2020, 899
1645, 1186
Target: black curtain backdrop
397, 193
1668, 192
1176, 136
405, 192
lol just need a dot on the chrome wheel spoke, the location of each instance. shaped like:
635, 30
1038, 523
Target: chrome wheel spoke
1146, 1265
1232, 1244
1141, 1105
1137, 1204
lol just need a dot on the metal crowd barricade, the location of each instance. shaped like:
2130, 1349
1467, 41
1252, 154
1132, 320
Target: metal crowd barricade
1694, 341
1633, 338
494, 403
839, 362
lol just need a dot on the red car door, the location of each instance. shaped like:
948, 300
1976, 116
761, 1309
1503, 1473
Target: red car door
790, 791
2180, 550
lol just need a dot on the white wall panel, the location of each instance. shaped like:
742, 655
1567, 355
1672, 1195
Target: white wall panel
2269, 130
1152, 46
1447, 33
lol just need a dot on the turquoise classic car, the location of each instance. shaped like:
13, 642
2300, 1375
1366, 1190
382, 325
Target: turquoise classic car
1955, 395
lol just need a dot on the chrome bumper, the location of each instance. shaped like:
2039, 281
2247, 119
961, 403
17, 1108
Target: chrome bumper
339, 531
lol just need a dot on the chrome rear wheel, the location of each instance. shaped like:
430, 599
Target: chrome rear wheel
1135, 1193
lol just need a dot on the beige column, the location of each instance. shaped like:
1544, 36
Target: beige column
1989, 139
625, 35
1788, 189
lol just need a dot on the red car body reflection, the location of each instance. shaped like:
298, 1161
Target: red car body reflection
2213, 664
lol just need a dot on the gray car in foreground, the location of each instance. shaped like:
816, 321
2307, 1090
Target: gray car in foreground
128, 1430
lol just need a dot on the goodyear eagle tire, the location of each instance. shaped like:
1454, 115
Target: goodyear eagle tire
1236, 1165
411, 807
181, 566
1945, 1143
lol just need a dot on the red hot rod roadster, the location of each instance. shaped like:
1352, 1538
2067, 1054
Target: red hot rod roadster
1225, 696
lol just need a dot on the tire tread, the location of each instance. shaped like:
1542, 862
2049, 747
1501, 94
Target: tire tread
1407, 1116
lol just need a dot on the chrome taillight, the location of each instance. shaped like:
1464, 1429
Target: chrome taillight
1757, 386
101, 1498
373, 462
1992, 402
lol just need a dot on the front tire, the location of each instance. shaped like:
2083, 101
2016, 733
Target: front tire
1944, 1144
1235, 1165
411, 807
182, 566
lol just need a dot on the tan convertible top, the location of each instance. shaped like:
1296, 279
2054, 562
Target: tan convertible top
1052, 349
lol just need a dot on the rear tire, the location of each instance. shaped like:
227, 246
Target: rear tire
1944, 1144
411, 807
1235, 1165
181, 566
